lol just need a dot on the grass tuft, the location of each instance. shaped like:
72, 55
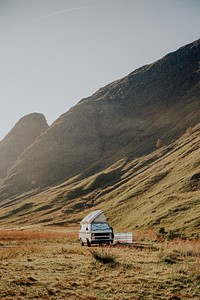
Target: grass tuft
105, 256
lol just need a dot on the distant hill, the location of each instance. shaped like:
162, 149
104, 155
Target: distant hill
124, 128
19, 139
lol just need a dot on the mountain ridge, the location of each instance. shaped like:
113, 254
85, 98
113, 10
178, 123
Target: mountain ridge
145, 102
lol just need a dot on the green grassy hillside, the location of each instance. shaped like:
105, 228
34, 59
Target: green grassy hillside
161, 189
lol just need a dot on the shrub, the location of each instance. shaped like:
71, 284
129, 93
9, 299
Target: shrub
104, 256
171, 235
162, 233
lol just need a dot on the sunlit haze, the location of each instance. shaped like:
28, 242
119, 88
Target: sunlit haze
55, 52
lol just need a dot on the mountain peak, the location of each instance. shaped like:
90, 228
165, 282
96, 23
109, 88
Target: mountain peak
21, 136
32, 121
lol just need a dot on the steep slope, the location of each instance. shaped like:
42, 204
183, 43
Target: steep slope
19, 138
160, 189
125, 118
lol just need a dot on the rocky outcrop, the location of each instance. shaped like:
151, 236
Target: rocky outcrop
19, 138
125, 118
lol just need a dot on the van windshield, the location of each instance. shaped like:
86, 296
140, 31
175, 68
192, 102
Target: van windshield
100, 226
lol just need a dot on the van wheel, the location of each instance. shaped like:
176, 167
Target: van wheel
81, 242
88, 243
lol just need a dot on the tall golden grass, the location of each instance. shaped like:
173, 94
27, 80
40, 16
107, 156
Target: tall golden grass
181, 247
22, 235
19, 243
20, 251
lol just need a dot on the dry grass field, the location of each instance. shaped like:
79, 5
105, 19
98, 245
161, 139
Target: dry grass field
52, 265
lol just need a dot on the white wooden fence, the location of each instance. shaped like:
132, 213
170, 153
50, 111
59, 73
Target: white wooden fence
123, 238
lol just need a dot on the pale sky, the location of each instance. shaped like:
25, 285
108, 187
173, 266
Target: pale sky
53, 53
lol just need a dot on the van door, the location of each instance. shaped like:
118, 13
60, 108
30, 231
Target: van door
85, 234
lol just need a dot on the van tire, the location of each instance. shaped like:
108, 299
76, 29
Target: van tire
88, 243
81, 242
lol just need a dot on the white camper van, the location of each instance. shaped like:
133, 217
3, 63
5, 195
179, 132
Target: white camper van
95, 230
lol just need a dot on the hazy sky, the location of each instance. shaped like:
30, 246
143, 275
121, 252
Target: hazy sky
53, 53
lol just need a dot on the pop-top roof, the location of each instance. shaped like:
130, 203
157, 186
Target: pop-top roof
95, 216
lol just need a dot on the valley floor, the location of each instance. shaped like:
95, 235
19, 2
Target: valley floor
52, 265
